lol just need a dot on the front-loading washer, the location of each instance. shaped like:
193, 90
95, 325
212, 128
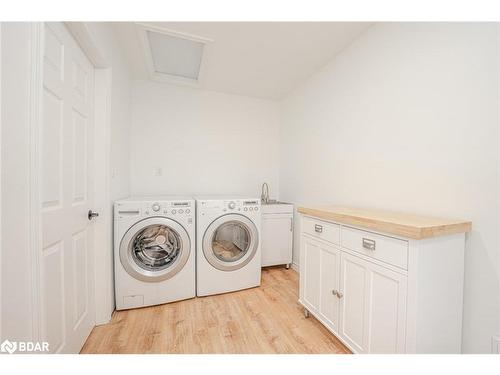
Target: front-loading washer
228, 244
154, 250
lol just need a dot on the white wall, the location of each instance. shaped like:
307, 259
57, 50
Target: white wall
406, 119
204, 142
16, 301
119, 161
120, 109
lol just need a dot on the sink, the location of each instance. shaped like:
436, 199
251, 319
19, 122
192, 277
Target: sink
274, 206
274, 201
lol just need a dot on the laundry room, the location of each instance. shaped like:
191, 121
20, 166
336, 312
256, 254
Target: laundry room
250, 186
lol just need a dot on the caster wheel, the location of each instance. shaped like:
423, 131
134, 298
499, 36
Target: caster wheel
306, 313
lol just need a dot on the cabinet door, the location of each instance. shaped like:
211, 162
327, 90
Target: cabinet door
354, 289
372, 307
310, 273
276, 239
330, 279
387, 309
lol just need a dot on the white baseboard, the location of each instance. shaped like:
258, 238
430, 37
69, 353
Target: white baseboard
295, 267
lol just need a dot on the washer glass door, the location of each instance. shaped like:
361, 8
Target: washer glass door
230, 242
154, 249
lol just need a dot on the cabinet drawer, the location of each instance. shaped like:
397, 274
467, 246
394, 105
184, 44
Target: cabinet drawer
386, 249
321, 229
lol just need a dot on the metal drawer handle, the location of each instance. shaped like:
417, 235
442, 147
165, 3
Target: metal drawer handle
318, 228
368, 244
340, 295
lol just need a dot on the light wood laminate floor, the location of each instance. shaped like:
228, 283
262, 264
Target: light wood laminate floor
267, 319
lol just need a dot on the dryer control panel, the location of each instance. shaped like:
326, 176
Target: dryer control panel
230, 205
251, 205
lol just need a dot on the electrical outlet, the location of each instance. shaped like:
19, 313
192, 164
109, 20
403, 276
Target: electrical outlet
495, 345
157, 171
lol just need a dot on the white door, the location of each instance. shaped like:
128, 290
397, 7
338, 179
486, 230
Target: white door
66, 195
310, 272
373, 306
276, 239
330, 278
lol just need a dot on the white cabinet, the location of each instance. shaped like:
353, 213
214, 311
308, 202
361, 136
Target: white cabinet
320, 284
277, 234
329, 285
372, 306
386, 310
380, 293
310, 259
354, 295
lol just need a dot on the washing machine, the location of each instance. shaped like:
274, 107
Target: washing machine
227, 244
154, 250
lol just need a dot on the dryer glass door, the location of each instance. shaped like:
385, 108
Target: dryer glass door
230, 242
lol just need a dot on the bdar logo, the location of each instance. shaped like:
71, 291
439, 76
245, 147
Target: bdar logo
8, 347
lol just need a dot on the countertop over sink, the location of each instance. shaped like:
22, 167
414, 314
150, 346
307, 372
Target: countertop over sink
276, 207
399, 224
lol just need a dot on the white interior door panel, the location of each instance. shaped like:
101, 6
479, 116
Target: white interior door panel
66, 178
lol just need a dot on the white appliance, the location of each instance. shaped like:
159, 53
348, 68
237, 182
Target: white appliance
228, 244
154, 250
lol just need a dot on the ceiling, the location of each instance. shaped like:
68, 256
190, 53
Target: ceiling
258, 59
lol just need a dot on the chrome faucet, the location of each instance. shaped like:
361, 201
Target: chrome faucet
264, 195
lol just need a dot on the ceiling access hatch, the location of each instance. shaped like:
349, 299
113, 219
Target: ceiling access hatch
173, 56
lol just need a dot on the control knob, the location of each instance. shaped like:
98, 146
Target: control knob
231, 205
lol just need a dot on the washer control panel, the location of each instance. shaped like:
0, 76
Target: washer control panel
168, 208
176, 208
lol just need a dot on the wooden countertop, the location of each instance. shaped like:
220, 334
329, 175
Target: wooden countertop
398, 224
